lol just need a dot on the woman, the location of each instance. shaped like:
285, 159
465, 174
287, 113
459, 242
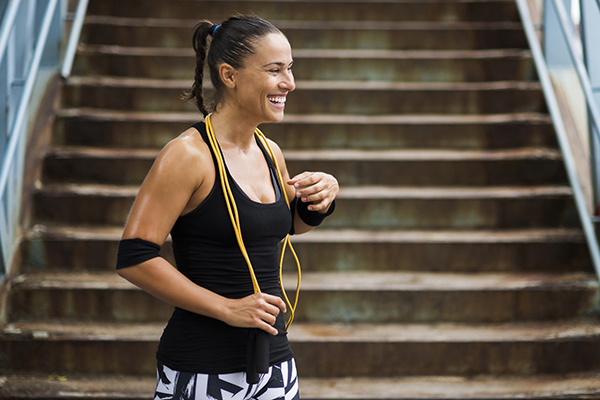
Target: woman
202, 352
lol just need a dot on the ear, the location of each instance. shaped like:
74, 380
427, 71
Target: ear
227, 75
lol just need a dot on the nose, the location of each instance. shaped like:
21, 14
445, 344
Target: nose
287, 82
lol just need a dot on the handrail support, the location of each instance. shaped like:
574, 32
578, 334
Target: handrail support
550, 96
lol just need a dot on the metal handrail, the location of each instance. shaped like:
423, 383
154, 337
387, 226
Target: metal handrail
17, 131
74, 38
9, 20
561, 133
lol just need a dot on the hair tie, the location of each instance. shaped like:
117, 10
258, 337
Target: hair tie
212, 33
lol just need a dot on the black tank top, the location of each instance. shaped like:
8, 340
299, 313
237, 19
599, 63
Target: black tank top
207, 252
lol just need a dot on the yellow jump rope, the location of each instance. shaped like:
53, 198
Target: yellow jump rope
235, 220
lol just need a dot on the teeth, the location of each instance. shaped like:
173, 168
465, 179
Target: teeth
278, 99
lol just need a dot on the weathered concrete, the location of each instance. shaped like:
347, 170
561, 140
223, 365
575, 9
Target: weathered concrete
325, 65
307, 10
570, 386
397, 167
371, 98
127, 129
368, 35
67, 248
453, 267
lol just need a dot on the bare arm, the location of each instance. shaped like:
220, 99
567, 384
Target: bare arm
176, 184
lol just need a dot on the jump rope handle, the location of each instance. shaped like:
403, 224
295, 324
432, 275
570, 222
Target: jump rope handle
257, 356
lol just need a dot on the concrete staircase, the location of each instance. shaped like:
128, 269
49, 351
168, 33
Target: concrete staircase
453, 267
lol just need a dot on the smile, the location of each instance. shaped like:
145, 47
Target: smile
277, 100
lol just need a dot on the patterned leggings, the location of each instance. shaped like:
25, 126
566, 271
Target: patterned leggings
280, 383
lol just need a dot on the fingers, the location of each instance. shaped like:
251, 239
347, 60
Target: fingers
259, 310
269, 308
317, 188
267, 328
277, 302
273, 304
304, 179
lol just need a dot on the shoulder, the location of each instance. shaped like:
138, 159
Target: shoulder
187, 148
186, 156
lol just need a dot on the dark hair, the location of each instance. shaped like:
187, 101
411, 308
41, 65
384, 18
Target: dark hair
231, 42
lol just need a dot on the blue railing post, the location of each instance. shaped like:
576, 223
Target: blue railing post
590, 37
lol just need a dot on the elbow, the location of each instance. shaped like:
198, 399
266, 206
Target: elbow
125, 273
122, 273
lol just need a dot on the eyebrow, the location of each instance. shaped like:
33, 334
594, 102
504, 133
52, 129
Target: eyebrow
279, 64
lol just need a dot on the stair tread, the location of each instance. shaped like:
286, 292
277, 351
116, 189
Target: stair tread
416, 387
393, 332
440, 236
155, 83
318, 53
446, 332
339, 154
348, 235
351, 192
453, 387
309, 24
419, 154
453, 192
346, 280
192, 117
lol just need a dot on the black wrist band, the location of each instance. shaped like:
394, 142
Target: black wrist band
312, 218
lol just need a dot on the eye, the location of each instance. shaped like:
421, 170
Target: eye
274, 71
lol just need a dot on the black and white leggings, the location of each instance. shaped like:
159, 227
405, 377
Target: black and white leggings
280, 383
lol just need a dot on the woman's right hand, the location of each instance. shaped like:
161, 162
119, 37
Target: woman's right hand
259, 310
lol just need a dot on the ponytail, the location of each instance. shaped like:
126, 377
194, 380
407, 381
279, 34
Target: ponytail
199, 42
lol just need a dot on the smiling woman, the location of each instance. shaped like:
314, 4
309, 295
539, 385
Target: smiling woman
207, 349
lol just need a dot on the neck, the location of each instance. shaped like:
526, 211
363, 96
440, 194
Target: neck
232, 130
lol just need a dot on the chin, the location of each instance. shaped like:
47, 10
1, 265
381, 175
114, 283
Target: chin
275, 118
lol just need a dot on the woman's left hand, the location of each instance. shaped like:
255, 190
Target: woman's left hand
317, 188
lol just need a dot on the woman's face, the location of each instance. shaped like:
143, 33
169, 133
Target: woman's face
262, 85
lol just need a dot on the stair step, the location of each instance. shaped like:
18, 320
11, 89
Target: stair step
77, 387
327, 65
388, 297
361, 350
67, 248
403, 167
453, 268
357, 207
569, 386
454, 387
364, 98
116, 128
444, 251
329, 10
377, 297
383, 35
326, 351
153, 83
